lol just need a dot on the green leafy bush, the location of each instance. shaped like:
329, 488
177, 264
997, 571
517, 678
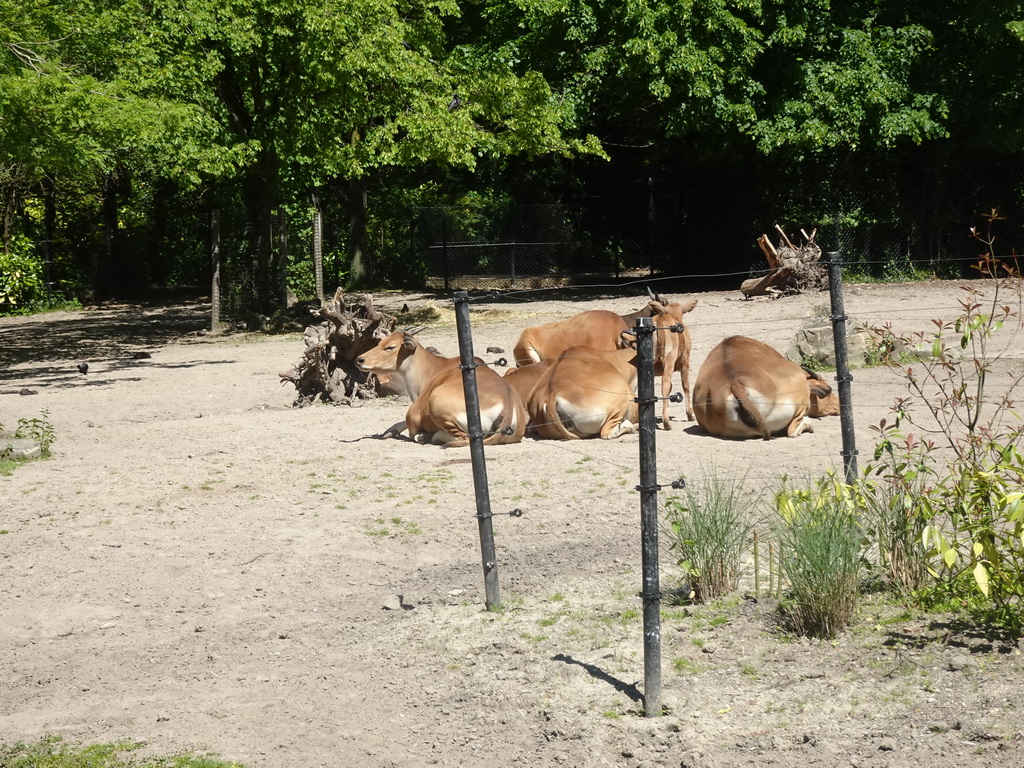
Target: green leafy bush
39, 429
960, 491
21, 275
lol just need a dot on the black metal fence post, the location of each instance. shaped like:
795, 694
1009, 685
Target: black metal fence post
835, 290
476, 452
649, 516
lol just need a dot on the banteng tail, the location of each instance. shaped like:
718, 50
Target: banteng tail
504, 428
749, 413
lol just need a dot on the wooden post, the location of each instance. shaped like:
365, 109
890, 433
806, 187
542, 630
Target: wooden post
757, 568
282, 246
215, 280
318, 249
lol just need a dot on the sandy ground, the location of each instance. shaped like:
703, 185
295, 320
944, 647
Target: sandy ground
201, 566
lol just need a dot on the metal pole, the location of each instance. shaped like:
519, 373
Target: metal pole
513, 264
649, 516
835, 290
476, 452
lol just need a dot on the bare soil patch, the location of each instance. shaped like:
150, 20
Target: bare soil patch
201, 566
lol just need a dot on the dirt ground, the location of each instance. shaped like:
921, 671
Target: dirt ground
200, 566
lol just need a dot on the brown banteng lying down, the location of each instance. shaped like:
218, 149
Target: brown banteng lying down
524, 379
671, 351
745, 388
585, 393
434, 383
596, 328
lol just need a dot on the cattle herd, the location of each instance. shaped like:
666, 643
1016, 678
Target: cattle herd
576, 378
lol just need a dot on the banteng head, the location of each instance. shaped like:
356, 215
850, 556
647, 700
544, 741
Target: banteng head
389, 353
824, 400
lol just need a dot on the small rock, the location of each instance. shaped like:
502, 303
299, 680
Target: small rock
495, 350
162, 718
393, 603
141, 356
959, 663
27, 391
20, 448
83, 368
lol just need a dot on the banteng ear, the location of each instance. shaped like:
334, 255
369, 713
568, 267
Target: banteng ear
408, 341
688, 306
627, 340
657, 308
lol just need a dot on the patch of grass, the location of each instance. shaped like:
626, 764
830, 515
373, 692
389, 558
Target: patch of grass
820, 537
533, 638
393, 526
630, 614
611, 714
52, 752
685, 667
7, 466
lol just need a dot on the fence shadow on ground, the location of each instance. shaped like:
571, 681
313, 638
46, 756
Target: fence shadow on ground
627, 689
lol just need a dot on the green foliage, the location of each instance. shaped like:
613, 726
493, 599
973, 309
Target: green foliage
21, 275
820, 540
39, 429
52, 752
960, 492
709, 528
852, 88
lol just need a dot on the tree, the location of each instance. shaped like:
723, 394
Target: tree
306, 91
70, 118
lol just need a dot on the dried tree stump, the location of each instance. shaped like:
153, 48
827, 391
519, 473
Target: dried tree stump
794, 269
327, 371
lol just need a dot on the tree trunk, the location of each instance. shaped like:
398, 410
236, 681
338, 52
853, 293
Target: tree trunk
49, 229
360, 272
100, 271
260, 201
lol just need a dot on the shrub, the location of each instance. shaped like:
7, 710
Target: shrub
709, 528
961, 491
820, 542
21, 275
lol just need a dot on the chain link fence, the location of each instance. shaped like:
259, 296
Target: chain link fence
511, 246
